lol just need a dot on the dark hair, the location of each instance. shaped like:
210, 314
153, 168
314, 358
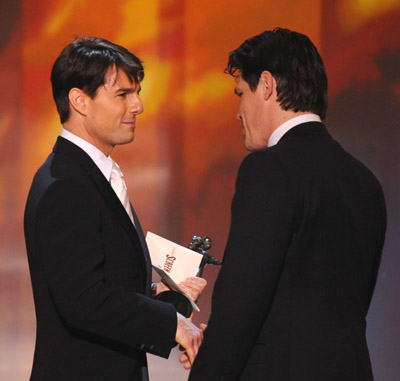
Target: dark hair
294, 62
84, 64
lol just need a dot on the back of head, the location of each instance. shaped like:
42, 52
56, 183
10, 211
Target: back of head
294, 62
84, 64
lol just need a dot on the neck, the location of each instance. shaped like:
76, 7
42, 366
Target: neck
78, 129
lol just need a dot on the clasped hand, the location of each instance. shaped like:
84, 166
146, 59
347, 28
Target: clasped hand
188, 336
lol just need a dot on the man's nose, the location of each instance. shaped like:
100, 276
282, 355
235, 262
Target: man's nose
238, 117
136, 105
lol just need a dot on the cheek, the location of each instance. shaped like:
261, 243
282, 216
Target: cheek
247, 110
110, 118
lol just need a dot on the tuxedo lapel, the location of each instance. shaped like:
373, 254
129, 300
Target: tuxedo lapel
64, 146
146, 254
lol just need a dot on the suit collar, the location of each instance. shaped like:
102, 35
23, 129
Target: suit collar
306, 129
289, 124
103, 162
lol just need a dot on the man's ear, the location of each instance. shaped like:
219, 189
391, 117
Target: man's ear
268, 84
78, 100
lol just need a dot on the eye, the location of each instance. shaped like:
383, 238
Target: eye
122, 95
238, 93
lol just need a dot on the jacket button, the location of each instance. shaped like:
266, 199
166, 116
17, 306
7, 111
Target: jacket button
146, 348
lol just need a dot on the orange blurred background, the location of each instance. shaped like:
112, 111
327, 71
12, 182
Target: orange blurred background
181, 169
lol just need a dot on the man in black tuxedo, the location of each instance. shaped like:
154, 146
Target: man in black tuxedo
88, 259
307, 230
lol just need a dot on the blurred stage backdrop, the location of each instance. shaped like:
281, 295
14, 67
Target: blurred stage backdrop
181, 168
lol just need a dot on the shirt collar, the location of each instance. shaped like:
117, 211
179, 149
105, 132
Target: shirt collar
103, 162
288, 125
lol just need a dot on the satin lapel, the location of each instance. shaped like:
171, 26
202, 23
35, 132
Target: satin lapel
66, 147
145, 250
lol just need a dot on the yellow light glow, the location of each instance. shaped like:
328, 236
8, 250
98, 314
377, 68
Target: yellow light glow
139, 21
58, 20
370, 8
156, 84
210, 87
355, 13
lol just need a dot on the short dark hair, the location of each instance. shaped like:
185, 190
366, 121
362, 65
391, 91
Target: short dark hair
294, 62
84, 64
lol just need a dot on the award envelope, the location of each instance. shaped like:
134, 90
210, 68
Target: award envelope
173, 262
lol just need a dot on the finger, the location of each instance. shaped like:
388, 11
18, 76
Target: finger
203, 326
197, 342
198, 283
197, 279
190, 292
191, 286
196, 346
191, 354
183, 358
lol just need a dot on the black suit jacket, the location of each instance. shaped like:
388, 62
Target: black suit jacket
300, 266
90, 275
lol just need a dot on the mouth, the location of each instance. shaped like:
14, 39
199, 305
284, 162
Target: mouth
129, 123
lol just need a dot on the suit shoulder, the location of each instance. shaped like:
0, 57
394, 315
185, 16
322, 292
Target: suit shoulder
265, 157
263, 169
59, 169
356, 163
60, 180
365, 175
258, 163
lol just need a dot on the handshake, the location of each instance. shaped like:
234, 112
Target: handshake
188, 336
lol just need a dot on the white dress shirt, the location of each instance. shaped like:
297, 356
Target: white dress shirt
285, 127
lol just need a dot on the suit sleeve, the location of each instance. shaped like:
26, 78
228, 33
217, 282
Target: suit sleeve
261, 228
68, 231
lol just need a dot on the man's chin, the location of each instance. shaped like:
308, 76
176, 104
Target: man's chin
251, 146
127, 140
247, 144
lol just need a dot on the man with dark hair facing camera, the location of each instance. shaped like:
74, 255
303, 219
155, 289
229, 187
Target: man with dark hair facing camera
88, 259
307, 231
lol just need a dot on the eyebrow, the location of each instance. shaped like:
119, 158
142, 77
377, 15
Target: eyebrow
128, 89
